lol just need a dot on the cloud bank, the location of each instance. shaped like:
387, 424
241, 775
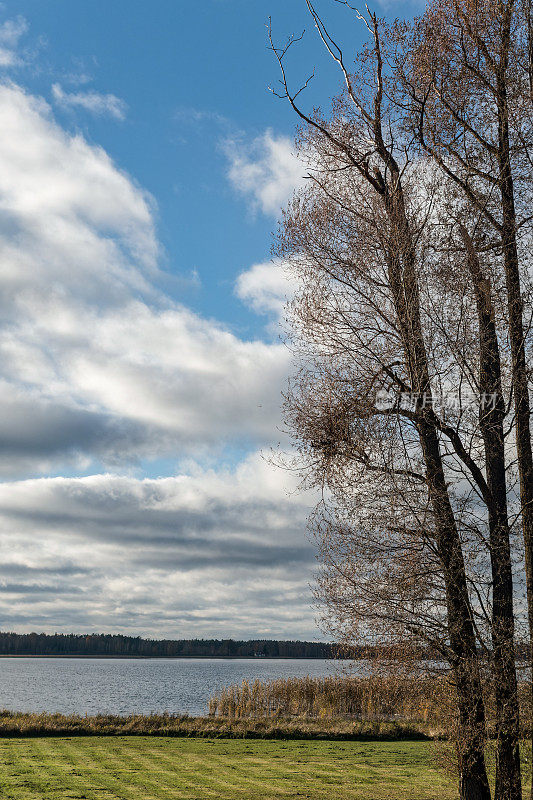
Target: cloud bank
267, 288
206, 553
100, 371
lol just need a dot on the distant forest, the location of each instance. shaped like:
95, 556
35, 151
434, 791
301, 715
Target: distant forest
105, 644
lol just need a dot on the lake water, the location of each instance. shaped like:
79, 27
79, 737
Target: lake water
128, 686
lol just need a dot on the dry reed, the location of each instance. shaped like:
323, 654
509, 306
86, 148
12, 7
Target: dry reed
424, 700
375, 698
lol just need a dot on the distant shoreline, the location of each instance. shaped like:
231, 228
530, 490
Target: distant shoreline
114, 645
176, 658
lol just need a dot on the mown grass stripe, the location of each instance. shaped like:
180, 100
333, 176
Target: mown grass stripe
75, 771
143, 768
174, 782
259, 775
204, 775
97, 771
121, 771
170, 783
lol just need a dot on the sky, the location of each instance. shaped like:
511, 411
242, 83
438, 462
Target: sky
143, 167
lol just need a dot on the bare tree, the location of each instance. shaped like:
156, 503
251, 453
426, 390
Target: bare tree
357, 141
466, 67
414, 531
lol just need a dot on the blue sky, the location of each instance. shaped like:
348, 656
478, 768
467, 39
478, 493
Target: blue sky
143, 165
193, 75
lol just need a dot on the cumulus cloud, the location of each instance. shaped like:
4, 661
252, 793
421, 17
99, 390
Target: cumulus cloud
196, 554
94, 102
265, 171
141, 382
69, 217
267, 288
85, 335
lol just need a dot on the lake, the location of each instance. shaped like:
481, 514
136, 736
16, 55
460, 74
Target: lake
136, 686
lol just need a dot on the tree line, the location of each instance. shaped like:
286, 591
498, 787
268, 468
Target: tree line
106, 644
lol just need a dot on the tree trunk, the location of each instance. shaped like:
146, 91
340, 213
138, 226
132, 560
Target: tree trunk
471, 738
516, 336
491, 420
404, 283
520, 387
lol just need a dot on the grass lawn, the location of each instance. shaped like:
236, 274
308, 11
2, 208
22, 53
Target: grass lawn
150, 768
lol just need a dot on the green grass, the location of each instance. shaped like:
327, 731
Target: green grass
148, 768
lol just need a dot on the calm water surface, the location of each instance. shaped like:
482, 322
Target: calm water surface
128, 686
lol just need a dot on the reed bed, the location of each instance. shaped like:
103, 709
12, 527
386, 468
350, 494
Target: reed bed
423, 701
376, 698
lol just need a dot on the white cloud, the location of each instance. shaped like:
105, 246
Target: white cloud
206, 553
95, 102
266, 171
69, 216
11, 31
85, 335
267, 288
98, 366
165, 369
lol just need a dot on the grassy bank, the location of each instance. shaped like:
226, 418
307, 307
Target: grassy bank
137, 768
27, 725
